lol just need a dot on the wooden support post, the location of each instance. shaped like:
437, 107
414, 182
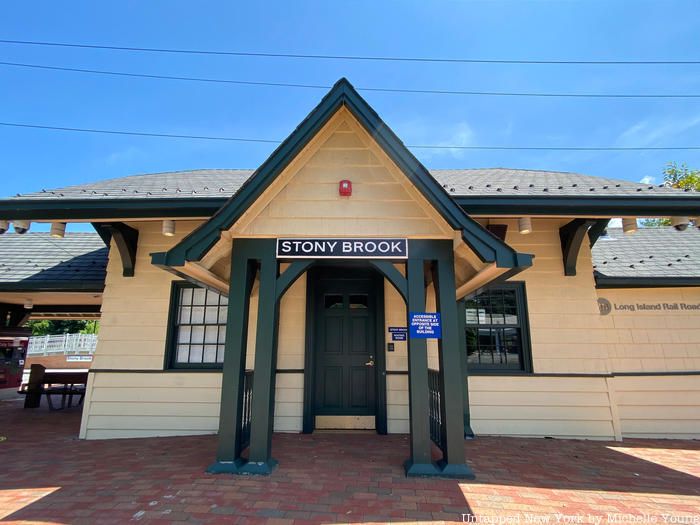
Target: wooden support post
260, 459
420, 463
452, 382
228, 457
35, 386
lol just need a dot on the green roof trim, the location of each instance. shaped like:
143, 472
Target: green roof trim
605, 281
484, 244
138, 208
663, 205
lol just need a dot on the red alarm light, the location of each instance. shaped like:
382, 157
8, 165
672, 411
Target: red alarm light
345, 188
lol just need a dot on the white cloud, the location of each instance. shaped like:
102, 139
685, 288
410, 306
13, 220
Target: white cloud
418, 132
651, 131
648, 180
125, 155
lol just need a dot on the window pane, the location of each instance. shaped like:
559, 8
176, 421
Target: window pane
183, 352
472, 317
183, 336
497, 307
472, 346
510, 307
198, 295
211, 334
196, 353
222, 334
186, 296
359, 301
209, 354
212, 298
222, 315
333, 301
197, 315
220, 353
486, 345
513, 348
197, 334
185, 313
211, 315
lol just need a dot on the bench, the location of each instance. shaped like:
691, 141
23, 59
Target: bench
65, 383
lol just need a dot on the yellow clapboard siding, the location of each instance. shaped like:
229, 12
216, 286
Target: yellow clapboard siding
555, 428
304, 200
160, 395
163, 380
541, 412
145, 408
536, 384
126, 434
157, 423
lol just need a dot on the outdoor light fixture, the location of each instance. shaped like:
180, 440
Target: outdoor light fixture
21, 226
629, 225
28, 304
345, 188
4, 226
58, 230
168, 228
680, 223
525, 225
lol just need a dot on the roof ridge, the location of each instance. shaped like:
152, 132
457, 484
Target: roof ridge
513, 169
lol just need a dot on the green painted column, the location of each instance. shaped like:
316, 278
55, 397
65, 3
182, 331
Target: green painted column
420, 463
462, 328
453, 463
260, 451
228, 455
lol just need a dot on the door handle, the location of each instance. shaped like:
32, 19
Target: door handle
370, 362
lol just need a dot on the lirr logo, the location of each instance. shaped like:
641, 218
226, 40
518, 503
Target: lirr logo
604, 306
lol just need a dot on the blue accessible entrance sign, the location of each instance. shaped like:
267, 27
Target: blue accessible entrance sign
424, 325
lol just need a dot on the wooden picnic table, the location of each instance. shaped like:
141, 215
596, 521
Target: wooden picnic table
65, 383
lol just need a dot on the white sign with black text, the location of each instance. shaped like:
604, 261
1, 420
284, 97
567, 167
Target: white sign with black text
342, 248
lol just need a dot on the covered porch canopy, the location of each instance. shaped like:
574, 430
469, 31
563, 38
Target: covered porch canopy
45, 278
294, 194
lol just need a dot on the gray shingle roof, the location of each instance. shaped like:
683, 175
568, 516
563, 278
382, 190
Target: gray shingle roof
37, 257
466, 182
650, 252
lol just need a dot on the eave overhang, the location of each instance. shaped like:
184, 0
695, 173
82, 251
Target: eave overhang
605, 281
41, 285
582, 205
113, 209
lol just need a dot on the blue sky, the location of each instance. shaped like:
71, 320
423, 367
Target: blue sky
34, 159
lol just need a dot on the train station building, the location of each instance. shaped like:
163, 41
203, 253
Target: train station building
344, 286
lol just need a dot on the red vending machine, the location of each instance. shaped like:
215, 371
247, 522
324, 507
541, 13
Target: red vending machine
13, 352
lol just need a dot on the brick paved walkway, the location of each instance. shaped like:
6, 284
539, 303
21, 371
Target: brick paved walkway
47, 475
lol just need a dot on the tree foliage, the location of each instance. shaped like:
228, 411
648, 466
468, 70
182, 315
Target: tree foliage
47, 327
680, 177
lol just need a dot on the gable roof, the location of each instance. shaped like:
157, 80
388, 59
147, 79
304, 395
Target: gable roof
485, 245
37, 261
649, 252
223, 183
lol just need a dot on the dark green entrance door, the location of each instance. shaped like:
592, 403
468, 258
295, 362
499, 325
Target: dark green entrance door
345, 342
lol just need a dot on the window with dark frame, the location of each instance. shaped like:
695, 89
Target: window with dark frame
198, 327
497, 329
